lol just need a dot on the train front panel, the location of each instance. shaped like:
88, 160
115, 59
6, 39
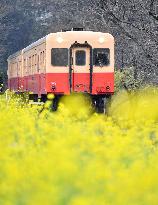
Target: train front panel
80, 62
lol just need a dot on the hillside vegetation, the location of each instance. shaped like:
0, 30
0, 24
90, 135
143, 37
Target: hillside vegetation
133, 23
77, 157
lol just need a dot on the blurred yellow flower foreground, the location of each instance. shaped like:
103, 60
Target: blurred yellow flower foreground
76, 157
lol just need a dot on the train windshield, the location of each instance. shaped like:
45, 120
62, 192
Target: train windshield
59, 56
80, 58
101, 56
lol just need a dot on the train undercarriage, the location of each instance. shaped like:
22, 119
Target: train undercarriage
99, 103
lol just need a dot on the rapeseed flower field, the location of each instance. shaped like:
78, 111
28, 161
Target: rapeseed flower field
77, 157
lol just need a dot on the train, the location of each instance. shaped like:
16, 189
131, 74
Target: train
65, 62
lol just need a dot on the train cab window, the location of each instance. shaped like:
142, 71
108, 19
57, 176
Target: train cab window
101, 56
59, 56
80, 58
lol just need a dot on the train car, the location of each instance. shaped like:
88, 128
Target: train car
65, 62
15, 71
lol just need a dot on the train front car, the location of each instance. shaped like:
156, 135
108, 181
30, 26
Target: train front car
80, 61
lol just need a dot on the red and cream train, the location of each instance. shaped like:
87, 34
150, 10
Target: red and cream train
65, 62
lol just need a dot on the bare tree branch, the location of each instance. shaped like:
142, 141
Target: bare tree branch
152, 12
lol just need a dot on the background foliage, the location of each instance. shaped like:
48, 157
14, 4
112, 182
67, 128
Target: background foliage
133, 24
127, 79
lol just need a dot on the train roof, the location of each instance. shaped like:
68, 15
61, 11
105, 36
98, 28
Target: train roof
80, 33
36, 43
42, 40
15, 55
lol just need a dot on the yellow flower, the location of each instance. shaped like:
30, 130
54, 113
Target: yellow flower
50, 96
76, 157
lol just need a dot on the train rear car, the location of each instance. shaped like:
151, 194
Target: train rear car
15, 71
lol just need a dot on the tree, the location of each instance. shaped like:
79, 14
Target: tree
133, 23
134, 29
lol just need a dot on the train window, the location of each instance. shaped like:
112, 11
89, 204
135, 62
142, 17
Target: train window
41, 58
30, 62
25, 65
19, 65
80, 57
59, 56
35, 59
101, 56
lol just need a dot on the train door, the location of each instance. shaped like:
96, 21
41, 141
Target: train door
81, 70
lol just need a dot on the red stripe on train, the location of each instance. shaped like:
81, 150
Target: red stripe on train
59, 83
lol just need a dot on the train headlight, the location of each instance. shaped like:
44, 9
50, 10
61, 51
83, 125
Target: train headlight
101, 39
60, 39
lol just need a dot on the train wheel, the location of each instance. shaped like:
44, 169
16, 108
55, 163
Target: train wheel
100, 105
55, 102
43, 98
33, 97
108, 103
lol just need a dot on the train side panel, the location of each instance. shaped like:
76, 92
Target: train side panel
15, 72
35, 69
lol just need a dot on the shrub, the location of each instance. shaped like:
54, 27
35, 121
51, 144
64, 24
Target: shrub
127, 79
